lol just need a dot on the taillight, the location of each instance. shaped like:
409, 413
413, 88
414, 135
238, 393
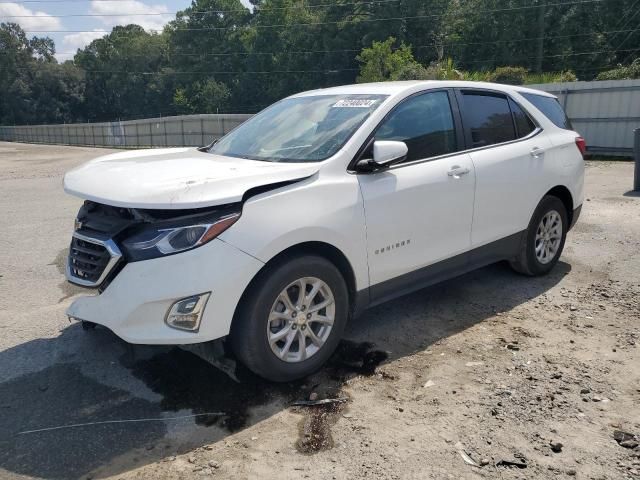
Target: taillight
582, 145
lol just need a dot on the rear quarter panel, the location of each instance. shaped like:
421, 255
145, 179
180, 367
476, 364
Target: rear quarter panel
568, 163
565, 160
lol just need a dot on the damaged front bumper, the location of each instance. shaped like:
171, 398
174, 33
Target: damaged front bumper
137, 300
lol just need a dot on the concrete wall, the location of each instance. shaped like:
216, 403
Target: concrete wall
194, 130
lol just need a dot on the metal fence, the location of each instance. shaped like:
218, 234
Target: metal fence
186, 130
605, 113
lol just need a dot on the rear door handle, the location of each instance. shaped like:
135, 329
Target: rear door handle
457, 171
537, 152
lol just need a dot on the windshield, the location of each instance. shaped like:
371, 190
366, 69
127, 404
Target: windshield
303, 129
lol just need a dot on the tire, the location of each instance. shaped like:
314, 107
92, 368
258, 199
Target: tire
263, 313
528, 261
86, 326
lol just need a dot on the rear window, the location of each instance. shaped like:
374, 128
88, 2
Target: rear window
524, 125
551, 109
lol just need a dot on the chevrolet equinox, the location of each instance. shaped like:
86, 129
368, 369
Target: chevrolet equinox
322, 205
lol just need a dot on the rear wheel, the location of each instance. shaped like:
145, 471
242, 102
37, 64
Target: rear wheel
292, 318
544, 240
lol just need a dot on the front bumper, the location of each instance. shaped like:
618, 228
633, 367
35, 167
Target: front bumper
135, 303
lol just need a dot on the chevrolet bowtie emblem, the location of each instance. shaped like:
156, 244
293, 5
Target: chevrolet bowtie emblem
77, 224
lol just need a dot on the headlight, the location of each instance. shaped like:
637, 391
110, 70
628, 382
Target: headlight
161, 239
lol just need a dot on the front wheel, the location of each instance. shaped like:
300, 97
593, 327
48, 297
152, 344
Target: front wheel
292, 318
544, 239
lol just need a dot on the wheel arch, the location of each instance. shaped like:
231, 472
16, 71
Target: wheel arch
322, 249
564, 194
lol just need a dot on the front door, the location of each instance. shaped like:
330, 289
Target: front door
418, 213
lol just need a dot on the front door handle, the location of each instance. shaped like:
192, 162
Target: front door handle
537, 152
457, 171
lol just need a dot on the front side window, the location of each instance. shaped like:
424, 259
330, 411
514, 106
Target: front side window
488, 118
303, 129
425, 123
551, 109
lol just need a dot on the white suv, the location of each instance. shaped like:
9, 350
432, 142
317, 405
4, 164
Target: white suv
324, 204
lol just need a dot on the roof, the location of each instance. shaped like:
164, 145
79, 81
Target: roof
393, 88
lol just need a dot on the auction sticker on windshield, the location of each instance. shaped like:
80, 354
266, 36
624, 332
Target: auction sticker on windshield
353, 103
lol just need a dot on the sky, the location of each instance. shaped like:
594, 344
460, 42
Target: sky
41, 18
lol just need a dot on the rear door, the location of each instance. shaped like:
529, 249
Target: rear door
509, 155
418, 212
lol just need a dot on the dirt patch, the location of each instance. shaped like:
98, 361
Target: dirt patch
187, 382
315, 428
529, 378
509, 370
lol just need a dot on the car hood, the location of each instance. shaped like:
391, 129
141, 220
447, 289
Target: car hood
176, 178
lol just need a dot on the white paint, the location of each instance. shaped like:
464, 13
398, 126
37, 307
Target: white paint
438, 208
175, 178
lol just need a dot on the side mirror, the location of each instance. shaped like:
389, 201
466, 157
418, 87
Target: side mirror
385, 154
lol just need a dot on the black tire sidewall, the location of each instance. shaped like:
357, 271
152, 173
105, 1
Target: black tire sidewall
547, 204
249, 333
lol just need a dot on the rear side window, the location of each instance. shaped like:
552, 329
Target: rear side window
425, 123
488, 118
524, 124
551, 109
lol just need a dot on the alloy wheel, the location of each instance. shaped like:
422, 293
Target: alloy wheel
548, 237
301, 319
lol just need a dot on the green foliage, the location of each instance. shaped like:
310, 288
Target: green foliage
207, 96
435, 71
413, 71
566, 76
181, 101
243, 60
551, 77
34, 88
117, 84
622, 72
446, 70
476, 76
509, 75
484, 34
381, 62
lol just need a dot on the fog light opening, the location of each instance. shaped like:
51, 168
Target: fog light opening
186, 313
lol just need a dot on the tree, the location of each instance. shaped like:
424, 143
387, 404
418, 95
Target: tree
622, 72
218, 55
206, 45
206, 96
509, 75
583, 37
381, 62
127, 74
34, 88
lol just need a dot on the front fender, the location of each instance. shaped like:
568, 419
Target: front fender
324, 209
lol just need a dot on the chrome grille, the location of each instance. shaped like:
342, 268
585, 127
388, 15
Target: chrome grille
91, 259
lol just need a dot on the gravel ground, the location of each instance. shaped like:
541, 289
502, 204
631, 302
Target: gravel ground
490, 375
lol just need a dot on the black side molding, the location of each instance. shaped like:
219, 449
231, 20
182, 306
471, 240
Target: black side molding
503, 249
